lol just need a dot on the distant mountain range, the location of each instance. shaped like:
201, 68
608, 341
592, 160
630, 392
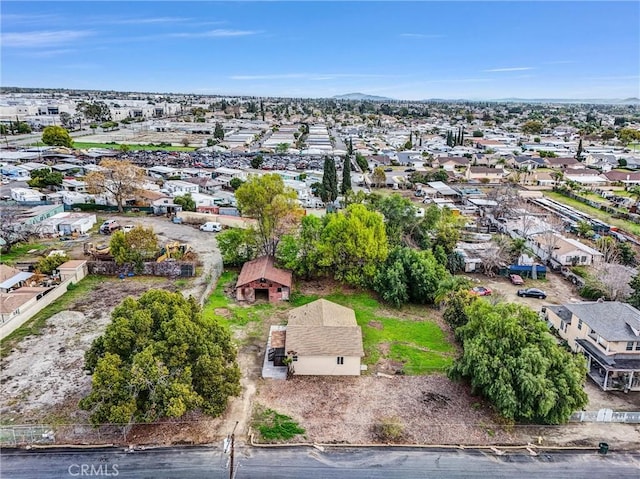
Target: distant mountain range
362, 96
592, 101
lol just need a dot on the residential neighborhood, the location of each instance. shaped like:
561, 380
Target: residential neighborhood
292, 227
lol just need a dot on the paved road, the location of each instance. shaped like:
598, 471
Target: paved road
187, 463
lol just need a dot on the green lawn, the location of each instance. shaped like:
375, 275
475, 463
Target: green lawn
595, 212
237, 315
419, 343
35, 324
18, 251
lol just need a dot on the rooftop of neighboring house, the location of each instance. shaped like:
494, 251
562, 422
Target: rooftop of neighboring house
613, 320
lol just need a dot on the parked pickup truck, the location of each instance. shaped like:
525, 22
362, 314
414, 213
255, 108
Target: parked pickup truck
570, 276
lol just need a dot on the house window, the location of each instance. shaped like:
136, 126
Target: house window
295, 357
279, 290
629, 345
584, 259
579, 324
638, 346
340, 360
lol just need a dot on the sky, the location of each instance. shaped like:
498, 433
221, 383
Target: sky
478, 50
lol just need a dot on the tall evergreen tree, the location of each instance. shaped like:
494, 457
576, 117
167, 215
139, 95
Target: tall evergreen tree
346, 175
262, 109
330, 179
579, 152
350, 147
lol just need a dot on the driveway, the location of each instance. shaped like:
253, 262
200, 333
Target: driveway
559, 290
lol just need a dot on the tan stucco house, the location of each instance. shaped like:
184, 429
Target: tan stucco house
323, 338
608, 334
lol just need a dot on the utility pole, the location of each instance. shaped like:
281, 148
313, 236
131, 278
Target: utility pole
230, 444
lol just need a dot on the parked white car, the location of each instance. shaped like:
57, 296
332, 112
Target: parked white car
211, 226
127, 228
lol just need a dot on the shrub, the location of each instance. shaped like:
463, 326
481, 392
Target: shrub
388, 429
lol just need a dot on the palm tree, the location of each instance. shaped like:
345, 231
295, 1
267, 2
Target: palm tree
518, 247
448, 286
557, 176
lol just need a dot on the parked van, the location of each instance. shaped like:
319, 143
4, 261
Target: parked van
211, 226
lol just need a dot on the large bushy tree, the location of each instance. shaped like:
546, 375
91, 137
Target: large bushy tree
120, 179
274, 206
353, 244
136, 246
510, 357
300, 251
45, 178
409, 275
160, 358
237, 246
56, 136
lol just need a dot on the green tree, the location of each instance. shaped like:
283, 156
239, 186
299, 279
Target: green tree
362, 162
634, 298
584, 229
274, 206
48, 264
257, 161
237, 246
330, 180
138, 245
235, 183
346, 175
477, 134
510, 358
97, 111
44, 178
218, 132
186, 201
353, 244
420, 272
455, 312
282, 148
160, 358
532, 127
300, 251
56, 136
579, 152
399, 217
628, 135
626, 255
379, 177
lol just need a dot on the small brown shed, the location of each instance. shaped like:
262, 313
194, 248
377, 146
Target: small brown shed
261, 277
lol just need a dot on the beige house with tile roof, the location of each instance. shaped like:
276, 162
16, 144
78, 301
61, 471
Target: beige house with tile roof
324, 339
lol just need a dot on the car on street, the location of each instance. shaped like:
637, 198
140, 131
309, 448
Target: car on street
211, 226
516, 279
388, 169
532, 293
127, 228
481, 291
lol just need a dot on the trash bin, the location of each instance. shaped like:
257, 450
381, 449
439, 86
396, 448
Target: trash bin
604, 448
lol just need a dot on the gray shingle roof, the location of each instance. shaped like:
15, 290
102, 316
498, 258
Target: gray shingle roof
610, 319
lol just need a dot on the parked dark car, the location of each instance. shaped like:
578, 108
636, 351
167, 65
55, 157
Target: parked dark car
532, 293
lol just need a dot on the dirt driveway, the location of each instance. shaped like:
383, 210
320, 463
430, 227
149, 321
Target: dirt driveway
42, 378
559, 290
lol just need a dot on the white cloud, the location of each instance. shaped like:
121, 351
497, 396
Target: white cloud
152, 20
49, 53
509, 69
215, 33
46, 38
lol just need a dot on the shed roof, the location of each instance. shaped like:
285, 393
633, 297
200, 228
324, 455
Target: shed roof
263, 268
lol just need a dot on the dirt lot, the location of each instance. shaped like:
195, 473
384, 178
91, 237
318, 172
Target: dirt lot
42, 379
